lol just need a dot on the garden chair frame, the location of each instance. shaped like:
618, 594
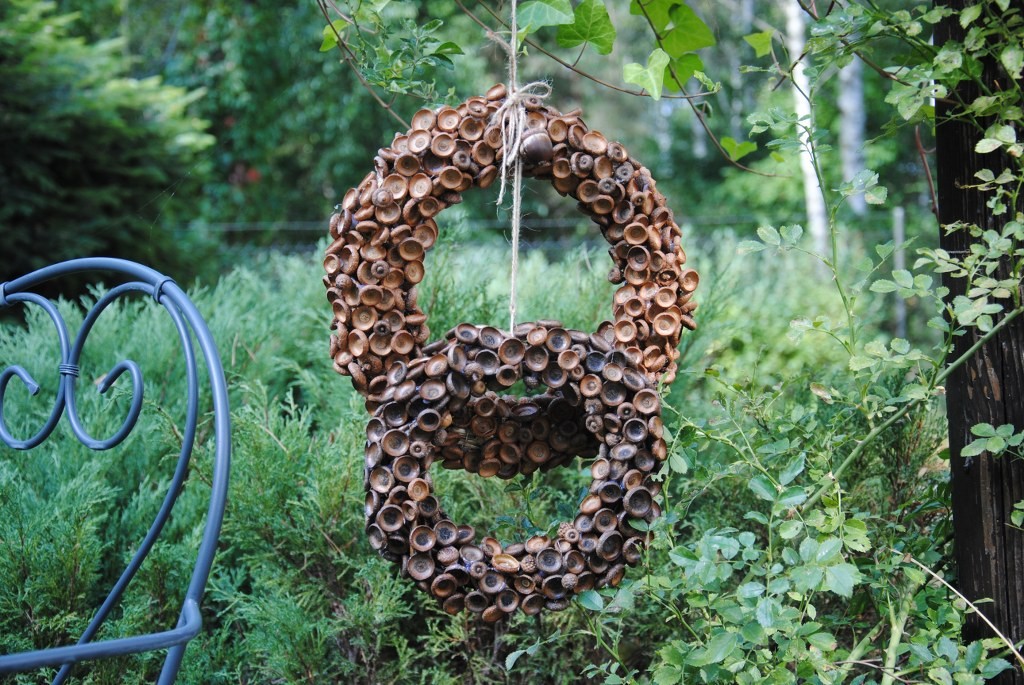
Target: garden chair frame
191, 329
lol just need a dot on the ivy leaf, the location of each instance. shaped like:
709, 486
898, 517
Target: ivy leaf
592, 25
761, 42
651, 77
656, 10
689, 32
684, 67
736, 150
331, 32
540, 13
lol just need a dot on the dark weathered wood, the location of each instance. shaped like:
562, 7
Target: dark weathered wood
989, 388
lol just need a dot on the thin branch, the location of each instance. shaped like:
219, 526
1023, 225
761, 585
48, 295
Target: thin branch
1016, 653
922, 153
349, 58
696, 111
869, 438
567, 65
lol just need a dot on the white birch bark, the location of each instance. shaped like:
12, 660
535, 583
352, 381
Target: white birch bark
851, 127
817, 220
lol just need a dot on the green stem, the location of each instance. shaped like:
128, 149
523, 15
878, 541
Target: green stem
880, 428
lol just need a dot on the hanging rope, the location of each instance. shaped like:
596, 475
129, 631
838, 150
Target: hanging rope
512, 118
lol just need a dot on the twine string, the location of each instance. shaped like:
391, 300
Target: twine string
512, 119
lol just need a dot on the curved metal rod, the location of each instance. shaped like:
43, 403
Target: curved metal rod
190, 326
180, 471
26, 378
69, 372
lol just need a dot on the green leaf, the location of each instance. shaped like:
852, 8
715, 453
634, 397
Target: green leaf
1012, 59
651, 77
721, 646
736, 150
987, 145
592, 600
592, 25
331, 32
746, 246
680, 69
828, 549
826, 642
841, 578
512, 658
761, 42
969, 14
791, 233
656, 10
537, 14
875, 195
994, 667
769, 235
688, 34
763, 488
793, 468
983, 430
883, 286
790, 529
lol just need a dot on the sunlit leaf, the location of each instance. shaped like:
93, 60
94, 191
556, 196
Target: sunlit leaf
761, 42
651, 77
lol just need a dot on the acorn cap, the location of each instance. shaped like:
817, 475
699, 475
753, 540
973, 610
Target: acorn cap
549, 560
428, 420
507, 600
454, 604
443, 586
590, 385
448, 119
610, 492
492, 582
433, 390
532, 604
390, 518
376, 536
477, 601
637, 502
511, 351
446, 533
470, 553
381, 480
647, 401
505, 563
422, 538
552, 587
407, 164
405, 468
605, 520
524, 584
418, 489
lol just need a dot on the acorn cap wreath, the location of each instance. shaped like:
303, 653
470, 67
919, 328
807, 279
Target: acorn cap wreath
442, 401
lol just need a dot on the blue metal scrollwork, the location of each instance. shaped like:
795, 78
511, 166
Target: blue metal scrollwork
191, 330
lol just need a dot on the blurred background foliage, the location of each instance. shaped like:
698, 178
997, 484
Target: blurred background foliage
238, 131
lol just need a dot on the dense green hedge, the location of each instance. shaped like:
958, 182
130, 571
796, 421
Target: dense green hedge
297, 595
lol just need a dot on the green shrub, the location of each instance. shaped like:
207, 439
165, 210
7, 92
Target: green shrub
95, 163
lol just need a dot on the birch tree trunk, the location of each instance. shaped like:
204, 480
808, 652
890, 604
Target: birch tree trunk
817, 220
851, 127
